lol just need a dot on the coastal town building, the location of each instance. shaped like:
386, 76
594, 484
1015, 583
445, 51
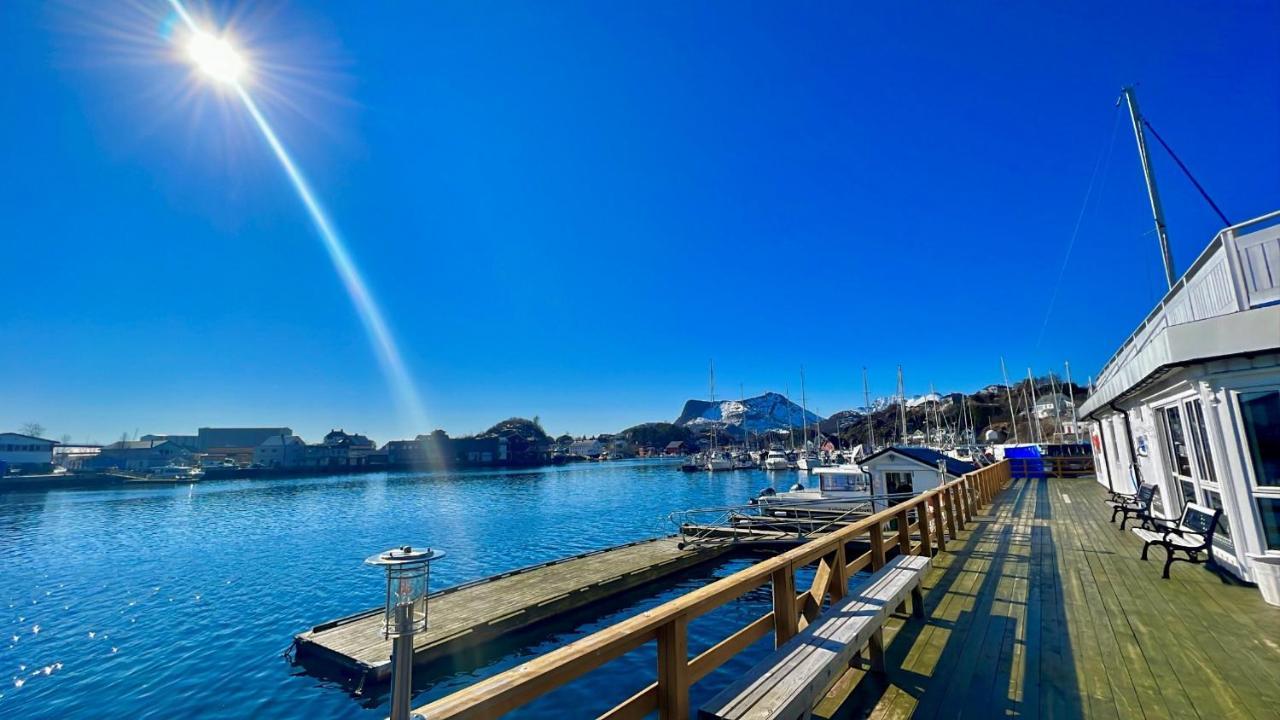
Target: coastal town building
71, 456
26, 451
236, 444
898, 469
138, 455
190, 442
587, 448
1191, 400
280, 451
342, 449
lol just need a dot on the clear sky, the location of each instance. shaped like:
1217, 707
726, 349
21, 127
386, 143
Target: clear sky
567, 209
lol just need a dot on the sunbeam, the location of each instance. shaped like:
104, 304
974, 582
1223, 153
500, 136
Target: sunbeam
218, 59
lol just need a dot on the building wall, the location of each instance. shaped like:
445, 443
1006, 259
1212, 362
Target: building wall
1226, 478
22, 450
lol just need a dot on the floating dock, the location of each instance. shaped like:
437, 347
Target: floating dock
473, 613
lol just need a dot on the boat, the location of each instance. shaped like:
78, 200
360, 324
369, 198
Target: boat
718, 461
744, 461
167, 475
836, 483
776, 460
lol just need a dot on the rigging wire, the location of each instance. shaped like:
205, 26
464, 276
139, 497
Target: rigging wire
1103, 158
1187, 172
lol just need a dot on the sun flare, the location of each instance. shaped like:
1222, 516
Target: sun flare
216, 57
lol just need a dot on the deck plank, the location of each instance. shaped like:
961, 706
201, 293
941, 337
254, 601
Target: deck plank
1042, 608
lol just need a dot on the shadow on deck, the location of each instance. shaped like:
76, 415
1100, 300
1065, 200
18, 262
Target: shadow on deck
1044, 609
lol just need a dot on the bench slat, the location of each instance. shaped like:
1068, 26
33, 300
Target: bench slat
785, 684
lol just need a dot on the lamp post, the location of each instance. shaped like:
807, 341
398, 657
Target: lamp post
404, 613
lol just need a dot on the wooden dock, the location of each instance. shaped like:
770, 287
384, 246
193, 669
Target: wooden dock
475, 612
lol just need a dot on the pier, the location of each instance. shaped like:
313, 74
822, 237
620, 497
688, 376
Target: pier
473, 613
1035, 605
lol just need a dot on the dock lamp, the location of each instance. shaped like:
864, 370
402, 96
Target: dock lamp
405, 613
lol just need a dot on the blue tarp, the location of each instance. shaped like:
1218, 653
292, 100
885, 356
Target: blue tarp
1026, 462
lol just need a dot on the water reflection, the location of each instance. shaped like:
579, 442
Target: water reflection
149, 602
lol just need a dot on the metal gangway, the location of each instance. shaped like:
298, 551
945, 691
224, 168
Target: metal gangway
775, 519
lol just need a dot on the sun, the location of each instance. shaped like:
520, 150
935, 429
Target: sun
216, 58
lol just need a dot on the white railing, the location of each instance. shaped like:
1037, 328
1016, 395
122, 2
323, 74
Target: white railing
1239, 270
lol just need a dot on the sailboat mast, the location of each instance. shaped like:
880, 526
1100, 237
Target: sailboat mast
804, 415
791, 423
866, 399
1013, 417
714, 429
1053, 388
1071, 390
1031, 416
902, 407
1157, 210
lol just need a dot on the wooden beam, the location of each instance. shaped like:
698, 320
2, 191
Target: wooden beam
877, 546
935, 502
926, 539
673, 670
785, 616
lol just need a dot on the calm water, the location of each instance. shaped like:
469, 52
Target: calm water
154, 602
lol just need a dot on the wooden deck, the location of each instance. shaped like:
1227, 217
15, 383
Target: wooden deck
1043, 608
475, 612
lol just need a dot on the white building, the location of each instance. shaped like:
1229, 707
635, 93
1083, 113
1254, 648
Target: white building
897, 470
19, 450
1191, 400
280, 451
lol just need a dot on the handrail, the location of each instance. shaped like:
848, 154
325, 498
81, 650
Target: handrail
709, 523
939, 513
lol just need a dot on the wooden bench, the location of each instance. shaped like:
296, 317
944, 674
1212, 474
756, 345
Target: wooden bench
1137, 506
1191, 534
789, 682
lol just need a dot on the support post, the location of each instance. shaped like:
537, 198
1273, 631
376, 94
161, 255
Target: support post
1157, 210
877, 546
785, 619
402, 666
839, 574
926, 536
673, 670
935, 501
904, 531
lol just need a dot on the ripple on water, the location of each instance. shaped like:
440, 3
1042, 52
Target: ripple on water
181, 601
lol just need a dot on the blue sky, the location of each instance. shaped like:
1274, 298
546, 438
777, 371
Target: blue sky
567, 209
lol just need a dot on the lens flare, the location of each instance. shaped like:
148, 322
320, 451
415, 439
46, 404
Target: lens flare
217, 58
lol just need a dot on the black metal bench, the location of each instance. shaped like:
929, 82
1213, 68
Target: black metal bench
790, 681
1136, 506
1191, 534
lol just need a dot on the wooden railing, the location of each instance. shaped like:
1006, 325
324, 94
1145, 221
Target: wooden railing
934, 516
1065, 466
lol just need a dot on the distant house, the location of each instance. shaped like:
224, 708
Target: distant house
481, 450
235, 443
190, 442
675, 447
341, 449
281, 451
138, 455
897, 470
1052, 405
71, 457
587, 448
25, 451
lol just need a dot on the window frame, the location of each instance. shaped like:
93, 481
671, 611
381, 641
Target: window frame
1257, 491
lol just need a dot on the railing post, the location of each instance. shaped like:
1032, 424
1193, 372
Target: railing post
877, 546
926, 537
954, 519
839, 574
673, 670
785, 618
935, 501
904, 531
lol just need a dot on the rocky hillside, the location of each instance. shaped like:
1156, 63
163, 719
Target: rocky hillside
770, 411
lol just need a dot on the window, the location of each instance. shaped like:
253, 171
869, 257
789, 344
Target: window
1200, 437
1188, 491
897, 482
1214, 499
1269, 510
1260, 413
1179, 458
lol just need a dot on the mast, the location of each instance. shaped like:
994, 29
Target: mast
1053, 388
1013, 417
866, 399
1031, 416
902, 408
1071, 390
1157, 210
742, 400
714, 429
791, 423
804, 415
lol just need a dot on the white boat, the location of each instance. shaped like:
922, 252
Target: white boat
744, 461
168, 474
809, 461
836, 483
719, 461
776, 460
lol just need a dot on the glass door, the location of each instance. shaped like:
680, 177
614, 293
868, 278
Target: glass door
1178, 454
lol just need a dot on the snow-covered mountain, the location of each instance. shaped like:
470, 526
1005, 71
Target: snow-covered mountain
770, 411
